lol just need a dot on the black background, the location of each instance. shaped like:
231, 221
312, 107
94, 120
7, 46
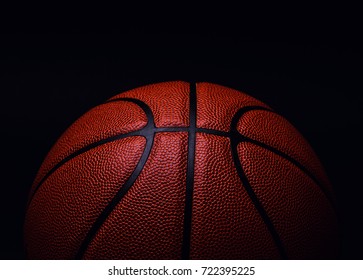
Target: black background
309, 72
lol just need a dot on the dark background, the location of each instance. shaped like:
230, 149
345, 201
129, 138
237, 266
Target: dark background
308, 71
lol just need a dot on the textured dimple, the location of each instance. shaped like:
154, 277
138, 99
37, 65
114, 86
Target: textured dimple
169, 102
217, 105
300, 213
99, 123
152, 211
273, 130
71, 199
225, 223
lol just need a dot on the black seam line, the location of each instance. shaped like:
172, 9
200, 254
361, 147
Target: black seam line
89, 147
294, 162
81, 151
177, 129
148, 131
246, 184
190, 173
115, 200
215, 132
242, 138
140, 132
171, 129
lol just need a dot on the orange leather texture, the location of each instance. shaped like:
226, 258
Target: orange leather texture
275, 131
103, 121
225, 223
298, 209
69, 201
118, 182
156, 216
218, 104
169, 102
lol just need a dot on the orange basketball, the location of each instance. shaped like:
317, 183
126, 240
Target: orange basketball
179, 170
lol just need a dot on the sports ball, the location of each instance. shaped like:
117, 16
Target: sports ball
179, 170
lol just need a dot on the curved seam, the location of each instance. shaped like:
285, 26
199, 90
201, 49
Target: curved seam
296, 164
299, 165
148, 131
116, 199
90, 146
235, 140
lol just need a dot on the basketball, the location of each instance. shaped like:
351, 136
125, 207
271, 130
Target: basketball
179, 170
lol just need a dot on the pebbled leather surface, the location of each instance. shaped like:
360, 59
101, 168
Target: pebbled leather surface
70, 200
148, 221
169, 102
218, 104
101, 122
225, 223
299, 211
152, 211
273, 130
